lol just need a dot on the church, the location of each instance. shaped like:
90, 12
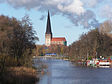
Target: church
49, 39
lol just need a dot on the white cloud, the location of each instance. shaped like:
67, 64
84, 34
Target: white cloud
92, 3
70, 6
76, 7
73, 9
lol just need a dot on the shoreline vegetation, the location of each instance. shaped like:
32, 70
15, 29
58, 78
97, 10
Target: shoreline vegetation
23, 75
20, 75
17, 45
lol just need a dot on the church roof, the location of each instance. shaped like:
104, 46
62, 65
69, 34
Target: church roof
58, 39
48, 27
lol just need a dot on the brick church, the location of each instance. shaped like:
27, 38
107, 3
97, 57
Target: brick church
49, 39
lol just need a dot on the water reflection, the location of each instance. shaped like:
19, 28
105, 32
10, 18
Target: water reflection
64, 72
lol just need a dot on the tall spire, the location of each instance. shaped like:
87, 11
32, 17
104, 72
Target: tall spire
48, 27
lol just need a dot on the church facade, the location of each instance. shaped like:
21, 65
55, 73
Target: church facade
49, 39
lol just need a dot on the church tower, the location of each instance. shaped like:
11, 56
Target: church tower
48, 34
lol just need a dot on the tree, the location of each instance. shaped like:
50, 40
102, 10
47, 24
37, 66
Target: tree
17, 39
91, 45
106, 28
23, 40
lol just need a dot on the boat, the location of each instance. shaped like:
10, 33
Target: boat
104, 64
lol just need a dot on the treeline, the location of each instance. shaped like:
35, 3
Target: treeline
93, 44
17, 41
41, 50
96, 43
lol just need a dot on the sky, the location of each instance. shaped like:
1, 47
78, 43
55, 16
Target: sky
69, 18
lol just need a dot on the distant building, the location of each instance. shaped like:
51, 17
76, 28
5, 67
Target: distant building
50, 54
49, 39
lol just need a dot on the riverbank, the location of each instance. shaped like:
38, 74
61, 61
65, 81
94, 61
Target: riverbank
20, 75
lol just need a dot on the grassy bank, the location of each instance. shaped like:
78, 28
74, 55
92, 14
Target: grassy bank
20, 75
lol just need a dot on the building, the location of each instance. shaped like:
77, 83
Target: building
49, 39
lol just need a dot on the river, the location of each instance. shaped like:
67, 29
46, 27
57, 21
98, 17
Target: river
64, 72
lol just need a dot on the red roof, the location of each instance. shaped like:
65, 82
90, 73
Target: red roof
59, 39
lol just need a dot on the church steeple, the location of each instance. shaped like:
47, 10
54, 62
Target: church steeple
48, 27
49, 40
48, 34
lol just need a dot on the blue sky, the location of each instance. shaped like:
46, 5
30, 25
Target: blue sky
67, 20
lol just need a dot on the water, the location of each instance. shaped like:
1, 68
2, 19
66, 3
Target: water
64, 72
